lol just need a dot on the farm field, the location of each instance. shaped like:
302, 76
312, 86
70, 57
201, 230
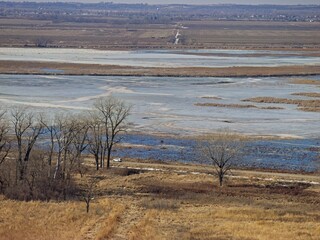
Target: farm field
194, 34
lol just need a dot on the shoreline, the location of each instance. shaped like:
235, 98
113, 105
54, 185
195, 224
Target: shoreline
198, 169
167, 149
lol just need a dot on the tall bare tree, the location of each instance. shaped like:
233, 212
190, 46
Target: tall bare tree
5, 143
221, 151
80, 139
95, 139
50, 132
108, 120
27, 128
64, 128
5, 146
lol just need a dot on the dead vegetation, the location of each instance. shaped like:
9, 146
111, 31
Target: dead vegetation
304, 105
123, 32
305, 81
236, 106
170, 205
56, 68
159, 204
211, 97
307, 94
53, 220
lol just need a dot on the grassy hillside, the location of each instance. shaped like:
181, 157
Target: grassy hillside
166, 204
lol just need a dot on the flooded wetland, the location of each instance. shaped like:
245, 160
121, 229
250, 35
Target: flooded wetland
288, 107
159, 121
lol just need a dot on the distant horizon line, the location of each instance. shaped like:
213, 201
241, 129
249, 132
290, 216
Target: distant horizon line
162, 4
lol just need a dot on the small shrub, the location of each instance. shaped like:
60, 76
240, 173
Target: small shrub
125, 171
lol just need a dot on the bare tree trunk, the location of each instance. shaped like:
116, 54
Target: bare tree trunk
108, 158
220, 175
57, 168
97, 161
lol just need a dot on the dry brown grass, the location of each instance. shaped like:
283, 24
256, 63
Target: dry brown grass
304, 105
159, 204
146, 228
25, 67
240, 211
251, 223
49, 220
214, 222
200, 34
171, 205
250, 34
307, 94
109, 225
225, 105
236, 106
305, 81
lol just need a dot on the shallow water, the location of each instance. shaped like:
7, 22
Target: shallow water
298, 155
161, 58
165, 104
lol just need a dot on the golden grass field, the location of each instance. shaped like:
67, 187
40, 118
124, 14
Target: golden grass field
174, 203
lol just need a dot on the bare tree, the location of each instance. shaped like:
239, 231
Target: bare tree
108, 119
62, 131
95, 139
27, 129
221, 151
88, 194
62, 135
5, 146
50, 131
80, 139
5, 143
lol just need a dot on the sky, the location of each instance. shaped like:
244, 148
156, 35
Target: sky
281, 2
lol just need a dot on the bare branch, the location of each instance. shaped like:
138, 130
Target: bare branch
221, 151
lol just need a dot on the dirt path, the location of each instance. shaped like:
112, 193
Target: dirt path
94, 229
132, 215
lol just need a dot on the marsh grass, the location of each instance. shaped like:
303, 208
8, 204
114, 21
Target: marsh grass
307, 94
168, 205
305, 81
304, 105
